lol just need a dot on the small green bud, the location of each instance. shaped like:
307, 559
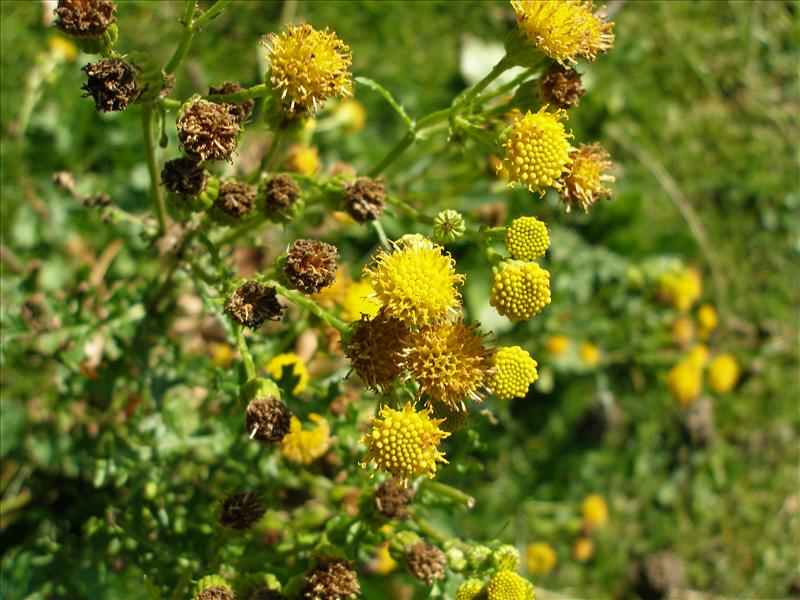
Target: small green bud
477, 555
150, 490
456, 560
211, 581
506, 558
448, 226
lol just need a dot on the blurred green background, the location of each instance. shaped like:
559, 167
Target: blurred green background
698, 106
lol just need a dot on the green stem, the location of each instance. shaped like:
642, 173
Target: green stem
375, 86
483, 98
266, 162
401, 146
445, 491
312, 307
381, 234
497, 70
257, 91
186, 37
170, 104
429, 530
152, 167
211, 13
247, 358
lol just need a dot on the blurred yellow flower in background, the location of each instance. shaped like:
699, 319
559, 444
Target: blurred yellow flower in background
289, 359
723, 373
304, 446
684, 381
540, 558
589, 353
557, 344
594, 511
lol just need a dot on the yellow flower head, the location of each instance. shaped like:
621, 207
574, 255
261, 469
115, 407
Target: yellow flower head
520, 290
681, 289
557, 344
416, 282
303, 446
302, 159
221, 354
507, 585
375, 349
559, 28
582, 549
537, 150
599, 38
384, 563
590, 354
356, 301
527, 238
723, 373
515, 371
471, 589
698, 355
682, 331
708, 319
62, 47
594, 511
404, 442
684, 381
449, 361
540, 558
289, 359
308, 66
351, 115
585, 183
334, 294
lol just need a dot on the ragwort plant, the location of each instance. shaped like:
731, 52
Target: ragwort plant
342, 461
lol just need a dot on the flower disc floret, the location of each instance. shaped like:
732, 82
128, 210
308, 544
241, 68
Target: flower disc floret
507, 585
527, 238
520, 290
449, 361
515, 371
586, 182
537, 150
415, 282
405, 442
308, 66
559, 28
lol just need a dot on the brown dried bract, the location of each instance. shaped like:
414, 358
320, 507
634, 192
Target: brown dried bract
268, 419
364, 199
208, 131
85, 18
561, 86
311, 265
242, 510
252, 304
235, 199
391, 500
184, 177
111, 83
280, 192
330, 579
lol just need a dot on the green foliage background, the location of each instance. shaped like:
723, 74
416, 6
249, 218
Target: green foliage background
702, 94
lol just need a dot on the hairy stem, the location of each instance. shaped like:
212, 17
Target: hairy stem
152, 166
186, 37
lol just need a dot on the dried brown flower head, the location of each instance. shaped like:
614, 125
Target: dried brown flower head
184, 177
252, 304
216, 592
85, 18
364, 199
241, 111
280, 192
242, 510
426, 563
111, 82
375, 349
235, 199
392, 499
268, 419
330, 579
561, 86
208, 131
311, 265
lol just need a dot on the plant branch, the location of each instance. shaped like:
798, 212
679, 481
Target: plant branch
152, 166
311, 306
186, 37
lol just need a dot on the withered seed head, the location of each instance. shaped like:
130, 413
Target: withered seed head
112, 84
252, 304
241, 110
280, 192
364, 199
330, 579
268, 419
391, 500
184, 177
216, 592
561, 86
311, 265
207, 131
425, 562
235, 199
85, 18
242, 510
